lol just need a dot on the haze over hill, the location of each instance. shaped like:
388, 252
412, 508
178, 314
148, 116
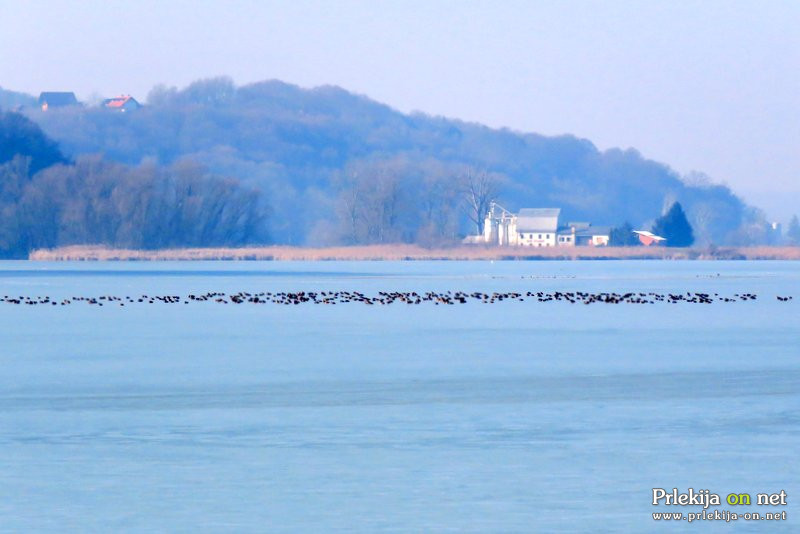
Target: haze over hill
336, 167
46, 200
710, 86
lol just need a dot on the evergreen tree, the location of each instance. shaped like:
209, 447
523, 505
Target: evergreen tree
623, 236
793, 232
674, 227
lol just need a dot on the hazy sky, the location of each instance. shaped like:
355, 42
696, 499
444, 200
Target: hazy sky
708, 86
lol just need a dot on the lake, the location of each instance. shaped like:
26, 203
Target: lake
516, 416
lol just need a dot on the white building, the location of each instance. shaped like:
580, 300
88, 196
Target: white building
536, 227
584, 234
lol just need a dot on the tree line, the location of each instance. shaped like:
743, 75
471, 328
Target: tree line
304, 149
47, 200
402, 200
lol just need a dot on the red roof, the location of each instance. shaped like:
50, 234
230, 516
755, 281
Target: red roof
119, 101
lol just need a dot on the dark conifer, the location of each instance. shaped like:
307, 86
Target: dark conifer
674, 227
623, 236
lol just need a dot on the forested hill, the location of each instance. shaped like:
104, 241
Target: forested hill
20, 138
47, 200
337, 167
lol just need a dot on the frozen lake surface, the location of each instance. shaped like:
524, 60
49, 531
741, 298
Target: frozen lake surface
505, 417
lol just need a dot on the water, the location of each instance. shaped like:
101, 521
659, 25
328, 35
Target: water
510, 417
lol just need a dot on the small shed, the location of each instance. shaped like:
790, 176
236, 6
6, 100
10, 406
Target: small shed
649, 238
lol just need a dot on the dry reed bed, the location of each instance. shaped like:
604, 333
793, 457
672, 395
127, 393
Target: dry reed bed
412, 252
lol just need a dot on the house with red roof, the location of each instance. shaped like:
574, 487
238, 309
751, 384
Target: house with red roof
121, 103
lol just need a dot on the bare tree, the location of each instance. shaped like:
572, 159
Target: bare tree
372, 203
697, 179
702, 215
379, 203
479, 188
349, 206
440, 202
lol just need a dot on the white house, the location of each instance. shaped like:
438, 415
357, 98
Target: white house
583, 234
536, 227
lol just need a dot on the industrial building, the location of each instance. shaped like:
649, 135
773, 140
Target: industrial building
537, 227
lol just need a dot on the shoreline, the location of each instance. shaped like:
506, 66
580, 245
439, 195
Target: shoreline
404, 252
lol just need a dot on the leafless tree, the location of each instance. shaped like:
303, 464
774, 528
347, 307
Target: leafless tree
440, 203
349, 206
94, 201
372, 203
701, 215
479, 188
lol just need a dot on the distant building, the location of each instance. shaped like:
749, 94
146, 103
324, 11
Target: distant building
121, 103
584, 234
55, 99
649, 238
536, 227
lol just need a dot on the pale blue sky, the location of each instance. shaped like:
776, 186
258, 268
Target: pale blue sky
701, 85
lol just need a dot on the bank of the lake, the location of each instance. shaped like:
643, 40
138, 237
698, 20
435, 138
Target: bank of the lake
398, 252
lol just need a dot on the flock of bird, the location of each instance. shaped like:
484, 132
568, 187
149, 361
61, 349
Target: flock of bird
392, 297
